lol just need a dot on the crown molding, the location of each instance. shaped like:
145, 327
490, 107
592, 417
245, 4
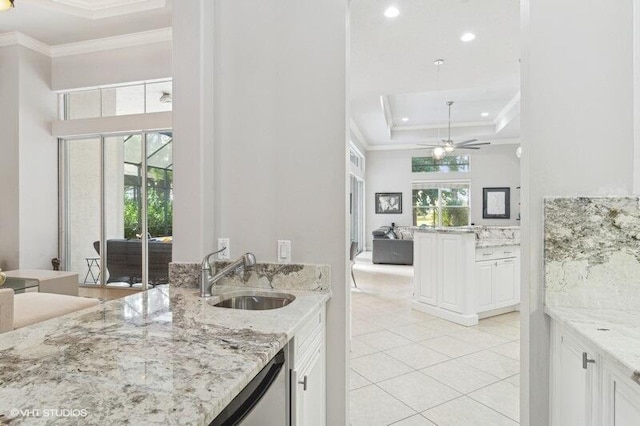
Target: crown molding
17, 38
100, 9
89, 46
115, 42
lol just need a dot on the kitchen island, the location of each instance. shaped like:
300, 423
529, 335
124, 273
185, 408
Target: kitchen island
463, 274
164, 356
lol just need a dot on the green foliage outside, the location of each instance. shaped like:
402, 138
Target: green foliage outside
159, 208
444, 207
450, 163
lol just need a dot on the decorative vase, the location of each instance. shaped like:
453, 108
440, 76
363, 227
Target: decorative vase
3, 277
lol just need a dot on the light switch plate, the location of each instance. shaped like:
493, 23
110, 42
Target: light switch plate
226, 254
284, 251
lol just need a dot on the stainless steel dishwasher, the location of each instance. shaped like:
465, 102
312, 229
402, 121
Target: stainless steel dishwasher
264, 401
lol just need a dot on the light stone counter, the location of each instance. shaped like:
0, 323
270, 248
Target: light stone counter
592, 272
496, 243
164, 356
616, 333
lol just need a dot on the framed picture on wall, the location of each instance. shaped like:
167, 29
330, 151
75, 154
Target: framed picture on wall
388, 202
496, 203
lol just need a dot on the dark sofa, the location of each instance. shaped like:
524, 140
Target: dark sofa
389, 249
124, 261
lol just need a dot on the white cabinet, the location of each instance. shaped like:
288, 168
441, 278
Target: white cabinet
575, 372
497, 283
586, 388
308, 375
621, 403
454, 281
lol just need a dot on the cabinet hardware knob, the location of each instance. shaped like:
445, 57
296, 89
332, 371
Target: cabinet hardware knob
585, 360
303, 383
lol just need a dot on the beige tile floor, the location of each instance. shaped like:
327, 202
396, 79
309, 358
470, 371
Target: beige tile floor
411, 369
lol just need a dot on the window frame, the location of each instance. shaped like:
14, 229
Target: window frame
468, 164
440, 185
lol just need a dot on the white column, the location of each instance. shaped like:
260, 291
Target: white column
577, 139
193, 98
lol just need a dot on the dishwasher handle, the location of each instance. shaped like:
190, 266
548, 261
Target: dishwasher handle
248, 397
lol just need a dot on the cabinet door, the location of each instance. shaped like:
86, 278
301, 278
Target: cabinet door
309, 391
451, 272
620, 398
425, 261
573, 402
626, 405
504, 283
484, 280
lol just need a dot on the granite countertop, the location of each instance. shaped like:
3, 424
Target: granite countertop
164, 356
615, 332
496, 243
448, 229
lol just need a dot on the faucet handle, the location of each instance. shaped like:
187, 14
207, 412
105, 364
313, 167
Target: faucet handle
205, 261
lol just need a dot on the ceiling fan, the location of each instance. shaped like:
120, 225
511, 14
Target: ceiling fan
447, 145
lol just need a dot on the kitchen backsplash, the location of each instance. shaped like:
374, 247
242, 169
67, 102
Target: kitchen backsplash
262, 275
592, 252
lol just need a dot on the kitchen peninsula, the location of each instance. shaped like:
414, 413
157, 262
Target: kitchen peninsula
164, 356
466, 273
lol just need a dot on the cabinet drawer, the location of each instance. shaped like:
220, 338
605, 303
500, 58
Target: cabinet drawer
490, 253
307, 333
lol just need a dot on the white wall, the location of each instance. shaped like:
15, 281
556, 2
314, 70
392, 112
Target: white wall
390, 171
38, 163
280, 141
28, 164
577, 139
9, 164
115, 66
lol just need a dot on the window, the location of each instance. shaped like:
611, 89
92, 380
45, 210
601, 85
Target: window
452, 163
356, 158
441, 203
118, 100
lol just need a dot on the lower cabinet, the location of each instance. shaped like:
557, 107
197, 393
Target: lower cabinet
497, 283
458, 282
309, 373
586, 389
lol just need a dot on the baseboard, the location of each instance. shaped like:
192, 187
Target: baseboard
462, 319
499, 311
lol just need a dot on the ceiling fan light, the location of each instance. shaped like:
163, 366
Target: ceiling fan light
439, 153
6, 5
449, 147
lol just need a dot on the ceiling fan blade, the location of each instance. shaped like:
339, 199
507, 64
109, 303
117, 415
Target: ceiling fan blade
475, 144
466, 142
428, 146
466, 147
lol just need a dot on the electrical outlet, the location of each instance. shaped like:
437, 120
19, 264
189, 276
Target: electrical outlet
284, 251
226, 254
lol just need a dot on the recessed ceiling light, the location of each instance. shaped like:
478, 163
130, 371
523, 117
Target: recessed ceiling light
391, 12
405, 119
485, 114
467, 37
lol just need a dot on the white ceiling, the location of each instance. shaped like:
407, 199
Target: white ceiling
392, 66
56, 22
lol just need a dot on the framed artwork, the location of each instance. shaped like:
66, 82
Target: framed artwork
388, 202
496, 203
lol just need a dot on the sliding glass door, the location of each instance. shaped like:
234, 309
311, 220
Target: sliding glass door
117, 208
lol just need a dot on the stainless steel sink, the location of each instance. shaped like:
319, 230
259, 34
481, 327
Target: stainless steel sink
252, 300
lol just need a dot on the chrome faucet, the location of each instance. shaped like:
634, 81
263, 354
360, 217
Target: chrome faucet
207, 281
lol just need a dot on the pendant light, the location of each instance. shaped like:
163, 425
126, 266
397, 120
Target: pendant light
6, 5
438, 152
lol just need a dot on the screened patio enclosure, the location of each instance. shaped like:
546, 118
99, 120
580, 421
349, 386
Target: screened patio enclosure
107, 210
